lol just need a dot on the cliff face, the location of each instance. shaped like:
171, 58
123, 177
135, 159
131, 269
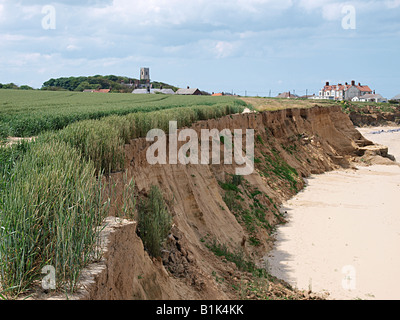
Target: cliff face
374, 116
209, 206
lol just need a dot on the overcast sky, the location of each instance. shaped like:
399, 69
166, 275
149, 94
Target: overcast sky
216, 45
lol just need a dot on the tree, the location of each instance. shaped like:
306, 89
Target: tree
25, 87
10, 86
83, 86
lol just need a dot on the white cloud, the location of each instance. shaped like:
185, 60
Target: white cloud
177, 12
29, 11
224, 49
72, 47
310, 5
28, 59
332, 11
7, 37
1, 10
391, 4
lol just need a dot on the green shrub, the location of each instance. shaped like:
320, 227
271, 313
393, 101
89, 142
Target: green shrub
155, 221
237, 257
229, 199
237, 180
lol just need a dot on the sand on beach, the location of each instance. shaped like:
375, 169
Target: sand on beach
343, 234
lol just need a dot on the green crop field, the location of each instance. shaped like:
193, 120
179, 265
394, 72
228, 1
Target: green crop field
28, 113
51, 195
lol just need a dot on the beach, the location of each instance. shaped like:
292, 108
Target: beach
343, 232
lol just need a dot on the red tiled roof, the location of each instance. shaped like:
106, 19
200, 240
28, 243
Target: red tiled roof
346, 87
364, 88
336, 87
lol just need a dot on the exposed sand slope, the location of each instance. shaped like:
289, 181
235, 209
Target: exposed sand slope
344, 232
289, 144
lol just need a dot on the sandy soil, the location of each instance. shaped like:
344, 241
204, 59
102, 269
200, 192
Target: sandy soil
14, 140
343, 235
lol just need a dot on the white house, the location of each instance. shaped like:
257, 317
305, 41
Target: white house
343, 92
370, 98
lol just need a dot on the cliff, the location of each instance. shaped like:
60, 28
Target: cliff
375, 116
210, 208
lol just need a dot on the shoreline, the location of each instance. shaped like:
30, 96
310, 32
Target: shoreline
339, 239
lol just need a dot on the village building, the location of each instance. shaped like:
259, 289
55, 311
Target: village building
163, 91
370, 98
145, 74
287, 95
189, 92
141, 91
153, 91
344, 91
144, 82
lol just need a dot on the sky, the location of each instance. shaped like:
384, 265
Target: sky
253, 47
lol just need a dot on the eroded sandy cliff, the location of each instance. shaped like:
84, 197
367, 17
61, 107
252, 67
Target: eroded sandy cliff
289, 145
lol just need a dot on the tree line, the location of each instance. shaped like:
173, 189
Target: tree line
112, 82
14, 86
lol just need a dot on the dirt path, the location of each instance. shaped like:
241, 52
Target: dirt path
14, 140
343, 234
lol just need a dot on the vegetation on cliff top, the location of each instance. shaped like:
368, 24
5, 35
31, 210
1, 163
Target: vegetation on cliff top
28, 113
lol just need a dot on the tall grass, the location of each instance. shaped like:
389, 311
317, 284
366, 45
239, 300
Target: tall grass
185, 116
49, 215
8, 158
99, 141
102, 141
